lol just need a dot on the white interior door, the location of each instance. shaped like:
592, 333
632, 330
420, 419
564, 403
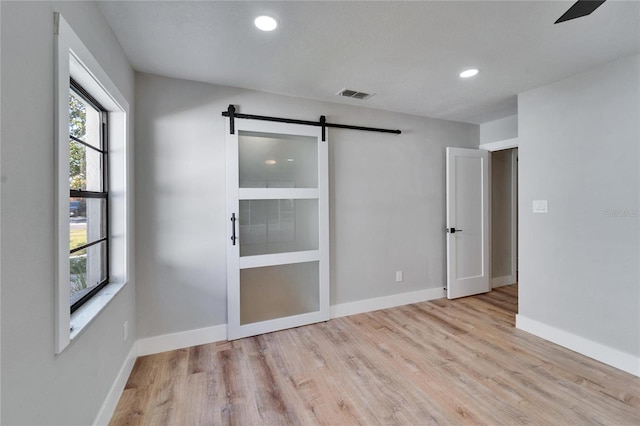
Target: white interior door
467, 222
278, 227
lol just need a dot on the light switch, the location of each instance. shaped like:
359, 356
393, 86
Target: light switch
540, 206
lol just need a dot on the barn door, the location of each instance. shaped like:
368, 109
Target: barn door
278, 227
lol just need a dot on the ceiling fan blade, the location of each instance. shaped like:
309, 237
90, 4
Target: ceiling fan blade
579, 9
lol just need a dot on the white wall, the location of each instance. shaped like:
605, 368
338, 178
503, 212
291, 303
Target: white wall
387, 199
579, 149
499, 130
39, 388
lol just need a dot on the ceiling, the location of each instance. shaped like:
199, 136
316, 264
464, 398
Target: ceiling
408, 53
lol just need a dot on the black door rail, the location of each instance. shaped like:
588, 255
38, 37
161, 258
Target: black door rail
232, 114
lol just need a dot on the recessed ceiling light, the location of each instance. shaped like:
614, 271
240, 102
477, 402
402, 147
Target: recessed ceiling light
469, 73
290, 160
266, 23
270, 162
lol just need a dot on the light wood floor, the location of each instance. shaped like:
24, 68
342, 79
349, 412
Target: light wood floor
439, 362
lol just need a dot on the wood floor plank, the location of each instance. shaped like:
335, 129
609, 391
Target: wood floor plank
131, 407
439, 362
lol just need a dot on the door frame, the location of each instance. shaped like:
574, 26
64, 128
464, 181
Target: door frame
515, 237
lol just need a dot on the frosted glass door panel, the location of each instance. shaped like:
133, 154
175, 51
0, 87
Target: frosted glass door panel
278, 291
277, 161
278, 226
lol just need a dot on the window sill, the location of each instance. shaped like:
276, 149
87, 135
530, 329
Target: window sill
83, 316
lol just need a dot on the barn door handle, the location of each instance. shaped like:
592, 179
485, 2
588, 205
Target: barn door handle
233, 228
453, 230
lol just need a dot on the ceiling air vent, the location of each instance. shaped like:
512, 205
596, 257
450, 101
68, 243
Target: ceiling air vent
348, 93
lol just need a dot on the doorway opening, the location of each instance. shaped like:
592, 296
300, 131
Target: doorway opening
504, 217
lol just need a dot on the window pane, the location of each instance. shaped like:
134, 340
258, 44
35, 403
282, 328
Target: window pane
87, 221
85, 168
277, 161
278, 226
77, 116
88, 217
87, 270
84, 121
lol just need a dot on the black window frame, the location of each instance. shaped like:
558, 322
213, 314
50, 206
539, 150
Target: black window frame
79, 91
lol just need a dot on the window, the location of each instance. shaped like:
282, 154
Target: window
92, 194
88, 196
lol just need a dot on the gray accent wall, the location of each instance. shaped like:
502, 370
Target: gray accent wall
499, 130
386, 199
38, 387
579, 143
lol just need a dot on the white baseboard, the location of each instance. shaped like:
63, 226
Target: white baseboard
168, 342
184, 339
503, 280
111, 401
368, 305
610, 356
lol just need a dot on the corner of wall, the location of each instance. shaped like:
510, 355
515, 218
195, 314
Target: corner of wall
111, 401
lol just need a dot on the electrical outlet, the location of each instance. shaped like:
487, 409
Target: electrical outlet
125, 330
398, 276
540, 206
